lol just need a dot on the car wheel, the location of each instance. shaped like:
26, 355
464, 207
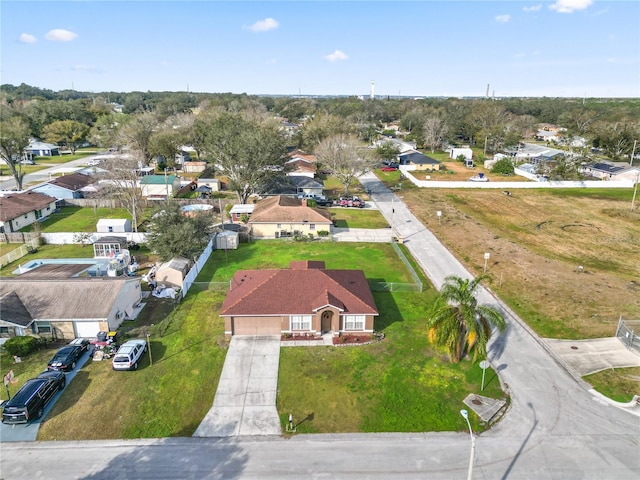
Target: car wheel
135, 366
63, 383
73, 365
40, 412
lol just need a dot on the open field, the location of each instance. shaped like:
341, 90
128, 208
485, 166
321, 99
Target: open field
538, 240
357, 218
619, 384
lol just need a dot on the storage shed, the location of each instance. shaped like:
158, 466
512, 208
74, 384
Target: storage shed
172, 273
113, 225
227, 240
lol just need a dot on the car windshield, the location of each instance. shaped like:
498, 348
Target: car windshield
121, 358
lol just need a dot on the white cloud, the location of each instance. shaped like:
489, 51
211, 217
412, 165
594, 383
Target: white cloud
27, 38
534, 8
335, 56
502, 18
60, 35
570, 6
519, 55
263, 25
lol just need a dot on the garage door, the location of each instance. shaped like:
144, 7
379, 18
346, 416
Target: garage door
256, 326
87, 329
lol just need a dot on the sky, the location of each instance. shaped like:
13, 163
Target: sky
557, 48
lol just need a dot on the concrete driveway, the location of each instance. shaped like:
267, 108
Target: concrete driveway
245, 401
591, 356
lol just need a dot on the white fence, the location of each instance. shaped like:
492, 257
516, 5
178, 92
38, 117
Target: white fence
516, 185
19, 252
197, 267
63, 238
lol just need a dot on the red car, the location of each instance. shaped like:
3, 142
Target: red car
389, 169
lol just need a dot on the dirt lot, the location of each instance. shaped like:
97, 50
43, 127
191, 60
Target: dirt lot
567, 262
457, 172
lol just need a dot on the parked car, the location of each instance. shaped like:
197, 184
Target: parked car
30, 401
27, 161
388, 168
83, 343
129, 354
323, 202
66, 358
351, 201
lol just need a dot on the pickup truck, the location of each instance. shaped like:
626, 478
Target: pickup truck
351, 201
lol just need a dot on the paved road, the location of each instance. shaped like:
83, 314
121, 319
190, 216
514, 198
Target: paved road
7, 181
554, 429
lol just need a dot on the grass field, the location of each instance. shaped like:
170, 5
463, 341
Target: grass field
537, 241
619, 384
356, 218
378, 260
79, 219
399, 384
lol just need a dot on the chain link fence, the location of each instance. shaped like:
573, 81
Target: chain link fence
628, 332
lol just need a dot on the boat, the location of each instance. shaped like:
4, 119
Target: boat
480, 177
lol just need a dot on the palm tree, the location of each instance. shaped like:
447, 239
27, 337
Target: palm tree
458, 323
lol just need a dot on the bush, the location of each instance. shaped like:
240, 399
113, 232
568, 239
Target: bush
503, 166
323, 233
20, 346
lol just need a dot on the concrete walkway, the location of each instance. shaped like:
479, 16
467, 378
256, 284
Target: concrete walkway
383, 235
245, 401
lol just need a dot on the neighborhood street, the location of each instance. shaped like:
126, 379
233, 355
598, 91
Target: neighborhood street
7, 182
553, 429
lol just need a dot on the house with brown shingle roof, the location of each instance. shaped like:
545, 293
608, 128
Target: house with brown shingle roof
66, 186
303, 299
279, 216
19, 210
66, 308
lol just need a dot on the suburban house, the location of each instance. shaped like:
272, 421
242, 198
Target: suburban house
418, 161
305, 298
159, 187
282, 216
42, 149
304, 184
66, 186
301, 163
212, 183
64, 309
239, 210
113, 225
19, 210
611, 171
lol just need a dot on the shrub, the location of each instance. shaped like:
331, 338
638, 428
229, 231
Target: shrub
20, 346
503, 166
244, 218
323, 233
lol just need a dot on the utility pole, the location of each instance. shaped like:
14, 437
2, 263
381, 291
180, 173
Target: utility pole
633, 152
635, 190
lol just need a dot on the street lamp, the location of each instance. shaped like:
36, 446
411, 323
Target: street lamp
465, 415
487, 255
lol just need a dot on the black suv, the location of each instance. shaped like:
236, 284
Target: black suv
66, 358
33, 397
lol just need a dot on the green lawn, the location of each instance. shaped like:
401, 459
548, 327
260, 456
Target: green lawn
79, 219
398, 384
401, 384
378, 260
168, 398
356, 218
619, 384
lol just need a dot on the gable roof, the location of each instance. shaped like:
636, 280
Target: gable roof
282, 209
62, 299
301, 181
417, 158
13, 310
300, 154
268, 292
73, 181
16, 204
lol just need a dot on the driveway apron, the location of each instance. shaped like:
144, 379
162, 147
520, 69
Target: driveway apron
245, 401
